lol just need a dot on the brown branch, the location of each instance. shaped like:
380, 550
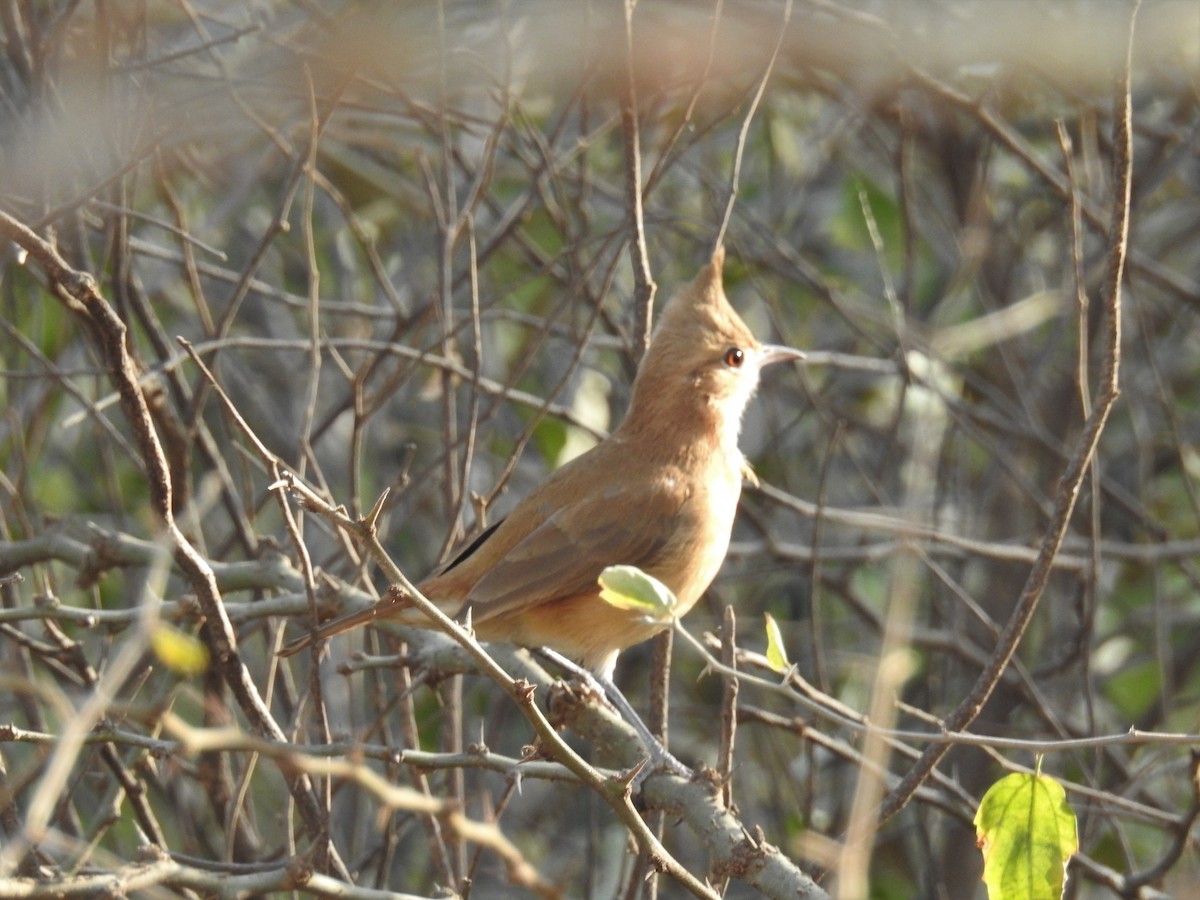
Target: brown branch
80, 293
1077, 466
728, 708
643, 282
391, 796
735, 176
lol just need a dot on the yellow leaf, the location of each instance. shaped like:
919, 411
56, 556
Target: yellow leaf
776, 655
179, 652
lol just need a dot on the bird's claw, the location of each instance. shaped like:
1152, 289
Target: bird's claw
659, 761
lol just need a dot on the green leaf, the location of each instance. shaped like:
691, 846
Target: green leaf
776, 655
550, 437
1135, 688
629, 588
1026, 830
179, 652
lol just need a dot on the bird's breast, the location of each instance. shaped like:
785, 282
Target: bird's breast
696, 549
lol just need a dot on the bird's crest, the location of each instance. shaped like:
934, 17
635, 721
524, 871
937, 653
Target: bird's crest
699, 317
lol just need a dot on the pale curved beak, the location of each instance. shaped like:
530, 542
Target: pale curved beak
775, 353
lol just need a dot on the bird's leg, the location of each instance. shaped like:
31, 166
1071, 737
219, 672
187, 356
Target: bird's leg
660, 757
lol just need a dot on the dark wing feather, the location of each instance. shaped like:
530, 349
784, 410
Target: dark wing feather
470, 548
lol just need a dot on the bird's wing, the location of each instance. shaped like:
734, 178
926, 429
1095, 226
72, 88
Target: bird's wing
564, 556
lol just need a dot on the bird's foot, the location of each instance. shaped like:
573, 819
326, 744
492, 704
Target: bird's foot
658, 758
661, 759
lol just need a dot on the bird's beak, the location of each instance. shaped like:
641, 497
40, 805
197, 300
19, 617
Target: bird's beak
773, 353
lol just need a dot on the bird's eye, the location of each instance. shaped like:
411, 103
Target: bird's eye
734, 357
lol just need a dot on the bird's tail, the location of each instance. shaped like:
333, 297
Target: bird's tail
388, 607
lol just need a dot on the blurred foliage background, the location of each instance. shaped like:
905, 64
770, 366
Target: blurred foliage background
399, 235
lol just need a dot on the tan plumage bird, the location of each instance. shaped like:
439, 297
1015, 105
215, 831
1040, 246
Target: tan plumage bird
659, 493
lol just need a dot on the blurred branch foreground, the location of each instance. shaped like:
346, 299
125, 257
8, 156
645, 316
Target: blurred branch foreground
406, 252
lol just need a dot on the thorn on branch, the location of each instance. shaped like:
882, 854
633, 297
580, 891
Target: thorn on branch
523, 691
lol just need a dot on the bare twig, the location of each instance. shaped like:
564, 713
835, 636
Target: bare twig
643, 282
728, 707
80, 293
1077, 466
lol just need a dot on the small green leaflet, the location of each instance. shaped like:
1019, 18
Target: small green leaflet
1026, 830
629, 588
776, 655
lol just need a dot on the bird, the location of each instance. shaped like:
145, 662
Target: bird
659, 493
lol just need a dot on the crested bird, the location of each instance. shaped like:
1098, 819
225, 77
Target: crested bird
660, 493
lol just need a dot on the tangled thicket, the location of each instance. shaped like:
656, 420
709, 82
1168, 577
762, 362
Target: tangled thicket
403, 243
